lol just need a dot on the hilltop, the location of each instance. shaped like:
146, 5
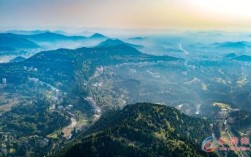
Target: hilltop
143, 129
116, 42
98, 36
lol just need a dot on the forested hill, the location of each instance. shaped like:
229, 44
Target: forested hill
142, 130
70, 66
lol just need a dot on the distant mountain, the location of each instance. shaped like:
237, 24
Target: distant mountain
243, 58
137, 38
18, 59
236, 45
98, 36
51, 37
14, 41
115, 42
111, 42
231, 55
142, 130
27, 32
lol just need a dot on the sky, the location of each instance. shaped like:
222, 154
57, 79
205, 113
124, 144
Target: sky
230, 15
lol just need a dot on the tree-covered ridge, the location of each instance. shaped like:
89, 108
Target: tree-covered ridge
69, 66
24, 130
142, 130
33, 119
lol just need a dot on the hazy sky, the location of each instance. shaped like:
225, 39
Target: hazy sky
127, 14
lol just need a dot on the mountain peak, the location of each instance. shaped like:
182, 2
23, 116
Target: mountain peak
97, 35
117, 42
111, 42
18, 59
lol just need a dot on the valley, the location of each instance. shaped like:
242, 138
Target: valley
54, 97
115, 78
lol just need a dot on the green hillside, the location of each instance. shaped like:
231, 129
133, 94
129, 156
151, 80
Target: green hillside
142, 130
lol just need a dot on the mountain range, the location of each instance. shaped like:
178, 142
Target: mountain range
142, 129
51, 37
12, 41
241, 58
233, 45
64, 64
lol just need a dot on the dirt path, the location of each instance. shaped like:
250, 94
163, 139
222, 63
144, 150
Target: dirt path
68, 129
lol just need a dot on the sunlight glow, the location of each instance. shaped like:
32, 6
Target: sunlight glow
225, 8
